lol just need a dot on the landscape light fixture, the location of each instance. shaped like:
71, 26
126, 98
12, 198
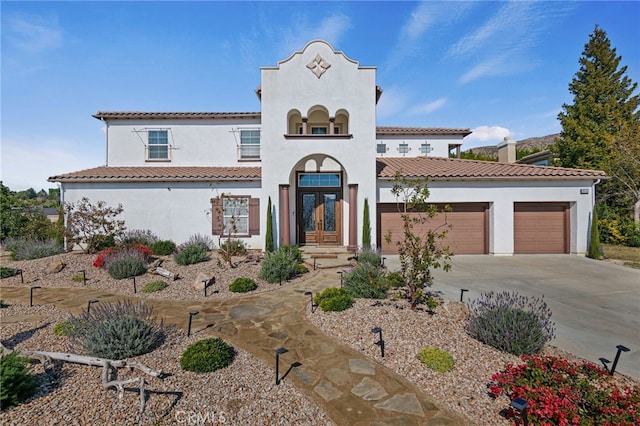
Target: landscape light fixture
341, 278
31, 294
84, 276
462, 290
191, 315
521, 405
380, 342
135, 290
314, 263
21, 276
383, 259
279, 352
313, 305
91, 302
605, 361
204, 285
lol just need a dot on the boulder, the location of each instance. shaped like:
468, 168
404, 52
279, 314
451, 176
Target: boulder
203, 279
55, 267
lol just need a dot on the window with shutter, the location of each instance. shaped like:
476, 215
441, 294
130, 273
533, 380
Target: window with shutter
236, 216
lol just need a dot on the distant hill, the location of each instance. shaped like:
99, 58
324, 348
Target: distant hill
542, 143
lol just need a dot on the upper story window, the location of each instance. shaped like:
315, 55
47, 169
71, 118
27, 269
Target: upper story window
425, 148
403, 148
158, 145
381, 148
250, 144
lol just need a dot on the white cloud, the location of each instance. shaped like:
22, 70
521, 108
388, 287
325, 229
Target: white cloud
393, 101
27, 166
429, 107
488, 133
33, 34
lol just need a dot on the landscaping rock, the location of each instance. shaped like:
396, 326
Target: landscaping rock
54, 267
201, 279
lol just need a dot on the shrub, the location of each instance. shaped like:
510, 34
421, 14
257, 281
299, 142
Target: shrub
92, 225
78, 278
334, 299
281, 265
163, 247
190, 253
138, 236
16, 384
103, 255
126, 264
234, 247
561, 392
242, 285
201, 239
436, 359
63, 328
207, 355
100, 242
8, 272
33, 249
510, 322
395, 280
117, 330
302, 268
371, 256
154, 286
366, 281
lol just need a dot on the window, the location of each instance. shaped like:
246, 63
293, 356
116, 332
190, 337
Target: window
158, 148
310, 180
403, 148
318, 130
250, 144
425, 148
381, 148
235, 215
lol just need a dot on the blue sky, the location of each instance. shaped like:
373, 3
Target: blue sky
499, 68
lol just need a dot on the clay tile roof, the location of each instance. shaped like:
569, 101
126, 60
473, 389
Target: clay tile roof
159, 174
134, 115
420, 131
438, 168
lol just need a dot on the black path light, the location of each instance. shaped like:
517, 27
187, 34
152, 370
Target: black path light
21, 276
313, 305
383, 259
91, 302
84, 276
314, 263
31, 294
380, 342
462, 290
135, 290
191, 315
605, 361
279, 352
341, 278
521, 405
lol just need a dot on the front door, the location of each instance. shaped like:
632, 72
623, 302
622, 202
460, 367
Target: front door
319, 217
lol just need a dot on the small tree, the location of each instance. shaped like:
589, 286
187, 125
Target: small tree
366, 226
268, 244
90, 225
420, 253
594, 238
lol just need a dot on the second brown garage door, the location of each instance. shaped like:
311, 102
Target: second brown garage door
541, 228
468, 235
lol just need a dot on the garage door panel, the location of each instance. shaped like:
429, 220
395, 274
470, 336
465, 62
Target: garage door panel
540, 228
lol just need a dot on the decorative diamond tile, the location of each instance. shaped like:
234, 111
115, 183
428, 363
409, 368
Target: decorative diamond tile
318, 65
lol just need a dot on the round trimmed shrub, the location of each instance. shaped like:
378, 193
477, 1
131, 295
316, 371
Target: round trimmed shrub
163, 247
16, 383
205, 356
154, 286
7, 272
63, 328
334, 299
302, 269
242, 285
436, 359
510, 322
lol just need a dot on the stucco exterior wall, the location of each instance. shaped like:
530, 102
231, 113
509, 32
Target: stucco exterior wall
439, 145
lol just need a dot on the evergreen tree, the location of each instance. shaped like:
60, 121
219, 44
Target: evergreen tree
366, 226
603, 103
268, 244
594, 238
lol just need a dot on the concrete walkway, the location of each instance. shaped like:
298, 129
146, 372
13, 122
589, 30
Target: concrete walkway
352, 389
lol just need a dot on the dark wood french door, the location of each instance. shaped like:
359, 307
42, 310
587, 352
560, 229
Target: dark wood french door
319, 216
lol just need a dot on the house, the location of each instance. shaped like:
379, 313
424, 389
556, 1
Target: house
315, 150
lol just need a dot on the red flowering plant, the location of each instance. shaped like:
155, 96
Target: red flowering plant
103, 255
563, 393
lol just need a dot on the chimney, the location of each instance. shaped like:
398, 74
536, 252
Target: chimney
507, 151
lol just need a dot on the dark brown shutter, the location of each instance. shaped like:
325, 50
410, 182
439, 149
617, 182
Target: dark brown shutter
254, 216
216, 215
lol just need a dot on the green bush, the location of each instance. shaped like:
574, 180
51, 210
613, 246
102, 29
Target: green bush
436, 359
371, 256
154, 286
191, 253
163, 247
117, 330
207, 355
510, 322
234, 247
201, 239
334, 299
8, 272
16, 383
100, 242
242, 285
395, 280
63, 329
366, 281
33, 249
78, 278
302, 269
138, 236
126, 263
281, 265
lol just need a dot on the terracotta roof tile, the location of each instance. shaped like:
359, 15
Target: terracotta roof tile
159, 174
438, 168
134, 115
420, 131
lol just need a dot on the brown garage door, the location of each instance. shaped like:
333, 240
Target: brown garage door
468, 235
541, 228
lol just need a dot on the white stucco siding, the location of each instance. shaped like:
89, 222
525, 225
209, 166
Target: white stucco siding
439, 145
171, 210
191, 142
501, 196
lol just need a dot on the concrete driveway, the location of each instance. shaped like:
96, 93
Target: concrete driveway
595, 305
